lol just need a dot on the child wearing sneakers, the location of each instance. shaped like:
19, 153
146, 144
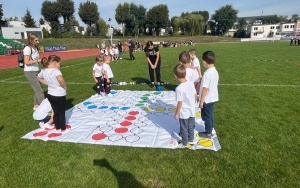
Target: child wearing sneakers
208, 92
196, 64
107, 74
186, 97
97, 74
191, 73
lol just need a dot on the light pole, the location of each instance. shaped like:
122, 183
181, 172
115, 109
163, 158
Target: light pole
110, 31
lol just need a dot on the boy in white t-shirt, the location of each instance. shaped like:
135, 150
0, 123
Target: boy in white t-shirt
191, 72
42, 114
186, 97
196, 64
98, 75
208, 92
108, 75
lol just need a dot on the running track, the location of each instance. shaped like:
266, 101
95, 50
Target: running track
11, 61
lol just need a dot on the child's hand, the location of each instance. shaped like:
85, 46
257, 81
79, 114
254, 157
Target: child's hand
201, 104
176, 116
96, 80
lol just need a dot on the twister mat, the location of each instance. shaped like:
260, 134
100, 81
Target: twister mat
128, 118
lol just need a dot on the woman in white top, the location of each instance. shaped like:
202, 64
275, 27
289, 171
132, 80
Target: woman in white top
31, 68
52, 77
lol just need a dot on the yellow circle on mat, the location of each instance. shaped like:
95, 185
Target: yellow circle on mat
147, 109
205, 143
160, 109
172, 109
198, 114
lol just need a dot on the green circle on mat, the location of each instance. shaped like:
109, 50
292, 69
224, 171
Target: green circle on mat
141, 101
144, 98
156, 93
139, 104
146, 95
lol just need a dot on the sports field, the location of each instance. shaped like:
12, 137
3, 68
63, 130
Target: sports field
257, 121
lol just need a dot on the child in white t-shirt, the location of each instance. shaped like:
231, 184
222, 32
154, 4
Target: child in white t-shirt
52, 76
98, 74
209, 94
196, 64
42, 114
191, 72
186, 97
108, 75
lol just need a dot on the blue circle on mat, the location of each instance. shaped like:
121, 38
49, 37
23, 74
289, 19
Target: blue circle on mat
103, 107
114, 108
125, 108
92, 106
113, 92
87, 103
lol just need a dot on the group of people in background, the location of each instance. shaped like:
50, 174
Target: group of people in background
193, 88
294, 41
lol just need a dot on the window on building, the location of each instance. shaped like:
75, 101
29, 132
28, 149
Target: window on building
272, 27
277, 34
277, 27
286, 26
292, 26
255, 28
254, 34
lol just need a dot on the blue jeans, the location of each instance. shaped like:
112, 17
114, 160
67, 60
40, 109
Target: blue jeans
207, 116
187, 130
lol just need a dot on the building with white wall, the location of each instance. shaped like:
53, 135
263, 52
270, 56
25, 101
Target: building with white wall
17, 30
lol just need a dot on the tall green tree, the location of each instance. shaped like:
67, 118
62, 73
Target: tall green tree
294, 18
158, 18
273, 19
122, 15
224, 19
66, 8
50, 11
189, 23
102, 27
41, 21
88, 13
28, 19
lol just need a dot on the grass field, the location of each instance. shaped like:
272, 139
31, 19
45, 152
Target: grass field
257, 121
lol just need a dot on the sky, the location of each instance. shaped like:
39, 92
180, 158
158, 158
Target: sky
107, 8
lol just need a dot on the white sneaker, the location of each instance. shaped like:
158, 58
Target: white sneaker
109, 95
42, 125
47, 126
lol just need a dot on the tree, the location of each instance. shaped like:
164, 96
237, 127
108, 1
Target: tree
1, 15
28, 19
122, 15
224, 19
66, 9
42, 21
157, 18
102, 27
50, 12
88, 13
274, 19
294, 18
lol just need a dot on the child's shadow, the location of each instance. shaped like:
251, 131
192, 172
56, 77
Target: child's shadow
124, 178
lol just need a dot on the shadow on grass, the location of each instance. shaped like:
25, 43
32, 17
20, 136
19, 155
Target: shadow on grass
69, 103
1, 128
124, 178
139, 80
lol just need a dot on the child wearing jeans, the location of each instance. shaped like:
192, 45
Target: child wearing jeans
208, 92
107, 74
186, 97
52, 76
97, 75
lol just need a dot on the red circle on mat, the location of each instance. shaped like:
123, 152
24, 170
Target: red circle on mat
52, 135
41, 133
130, 118
125, 123
68, 126
133, 113
99, 136
121, 130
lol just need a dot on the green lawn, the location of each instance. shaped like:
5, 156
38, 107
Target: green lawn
256, 119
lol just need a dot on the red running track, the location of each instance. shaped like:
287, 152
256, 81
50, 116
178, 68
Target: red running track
11, 61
